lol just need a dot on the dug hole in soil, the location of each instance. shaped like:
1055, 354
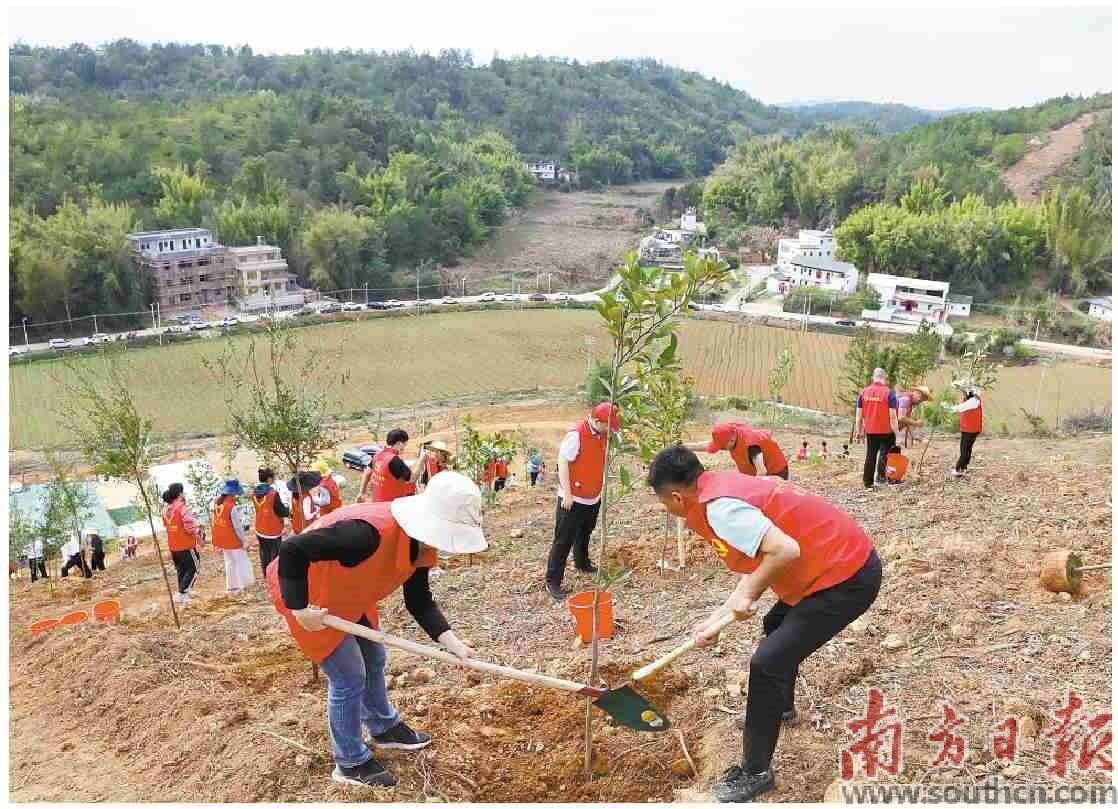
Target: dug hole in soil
226, 709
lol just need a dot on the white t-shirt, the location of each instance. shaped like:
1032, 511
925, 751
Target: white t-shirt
568, 451
70, 548
738, 523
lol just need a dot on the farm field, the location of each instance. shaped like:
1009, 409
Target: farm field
226, 709
442, 357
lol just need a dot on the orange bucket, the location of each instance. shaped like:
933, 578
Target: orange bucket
581, 606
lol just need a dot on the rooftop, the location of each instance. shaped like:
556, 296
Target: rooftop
169, 234
252, 248
1105, 303
824, 264
884, 279
953, 297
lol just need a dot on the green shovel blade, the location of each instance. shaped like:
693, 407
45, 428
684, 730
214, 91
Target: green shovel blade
630, 709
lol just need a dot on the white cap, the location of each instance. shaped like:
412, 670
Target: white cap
447, 516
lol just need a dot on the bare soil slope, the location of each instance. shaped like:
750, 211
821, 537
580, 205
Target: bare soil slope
1028, 177
226, 710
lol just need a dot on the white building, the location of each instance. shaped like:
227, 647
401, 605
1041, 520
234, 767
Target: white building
809, 244
959, 305
264, 279
543, 170
909, 299
1099, 308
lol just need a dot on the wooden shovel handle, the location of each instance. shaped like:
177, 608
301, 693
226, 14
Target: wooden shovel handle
1082, 568
351, 628
683, 648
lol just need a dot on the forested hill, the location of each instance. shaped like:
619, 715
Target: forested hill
886, 119
615, 121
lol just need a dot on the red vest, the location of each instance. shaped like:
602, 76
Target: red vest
267, 524
178, 539
775, 462
225, 536
833, 547
896, 464
875, 409
971, 420
335, 503
298, 521
489, 474
352, 592
587, 468
385, 485
433, 467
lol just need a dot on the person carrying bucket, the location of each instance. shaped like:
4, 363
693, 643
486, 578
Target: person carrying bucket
817, 560
754, 452
350, 561
582, 459
231, 538
387, 476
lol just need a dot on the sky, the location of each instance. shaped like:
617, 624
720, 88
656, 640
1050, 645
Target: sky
936, 58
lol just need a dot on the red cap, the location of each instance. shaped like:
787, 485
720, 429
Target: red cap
606, 411
720, 436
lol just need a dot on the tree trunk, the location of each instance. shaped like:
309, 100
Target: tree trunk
927, 445
158, 551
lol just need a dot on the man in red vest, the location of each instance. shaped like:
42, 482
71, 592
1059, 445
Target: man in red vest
755, 452
582, 459
817, 560
876, 419
345, 565
970, 422
388, 477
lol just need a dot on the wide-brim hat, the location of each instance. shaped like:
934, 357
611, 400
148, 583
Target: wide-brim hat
966, 385
307, 481
439, 446
233, 487
923, 390
447, 516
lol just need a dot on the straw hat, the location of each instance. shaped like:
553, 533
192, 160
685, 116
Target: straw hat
447, 516
966, 385
923, 390
439, 446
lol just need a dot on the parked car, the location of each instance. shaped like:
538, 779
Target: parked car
81, 342
329, 308
537, 296
717, 307
352, 306
181, 329
356, 460
448, 301
510, 297
392, 303
58, 344
199, 325
849, 323
100, 337
563, 296
488, 297
12, 351
693, 305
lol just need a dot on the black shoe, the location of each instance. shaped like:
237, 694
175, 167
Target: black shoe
557, 592
738, 786
590, 568
401, 737
787, 716
369, 774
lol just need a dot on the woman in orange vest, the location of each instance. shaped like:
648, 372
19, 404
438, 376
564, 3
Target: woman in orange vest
387, 476
231, 538
346, 565
184, 536
970, 422
582, 458
755, 452
307, 499
270, 515
817, 560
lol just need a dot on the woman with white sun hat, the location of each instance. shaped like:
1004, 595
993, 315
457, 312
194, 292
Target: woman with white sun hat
349, 561
970, 421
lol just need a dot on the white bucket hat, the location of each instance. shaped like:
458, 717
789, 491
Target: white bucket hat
447, 516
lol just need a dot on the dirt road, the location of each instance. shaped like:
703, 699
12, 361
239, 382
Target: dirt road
1027, 178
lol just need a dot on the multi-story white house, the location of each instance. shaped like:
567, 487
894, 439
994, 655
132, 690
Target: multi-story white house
1099, 308
809, 244
264, 279
823, 272
959, 305
909, 299
546, 171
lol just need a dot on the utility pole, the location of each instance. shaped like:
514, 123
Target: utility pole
1037, 335
366, 293
26, 344
95, 324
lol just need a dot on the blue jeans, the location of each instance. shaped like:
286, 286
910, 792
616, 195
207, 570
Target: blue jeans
356, 695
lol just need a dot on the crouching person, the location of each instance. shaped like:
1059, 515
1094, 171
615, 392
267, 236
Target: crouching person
349, 561
817, 560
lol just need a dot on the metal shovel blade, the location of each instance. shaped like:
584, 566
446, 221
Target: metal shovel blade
630, 709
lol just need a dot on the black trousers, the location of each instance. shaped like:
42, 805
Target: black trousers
97, 560
38, 569
572, 530
185, 567
498, 484
533, 476
269, 550
78, 561
966, 444
791, 634
877, 444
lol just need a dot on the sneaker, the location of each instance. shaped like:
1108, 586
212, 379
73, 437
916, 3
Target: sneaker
556, 591
182, 598
401, 737
788, 716
955, 473
739, 786
369, 774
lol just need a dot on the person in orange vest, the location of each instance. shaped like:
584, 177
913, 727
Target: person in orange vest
387, 476
970, 422
896, 464
270, 515
438, 460
754, 451
582, 457
350, 561
489, 474
500, 473
330, 486
307, 498
819, 562
876, 419
230, 536
184, 537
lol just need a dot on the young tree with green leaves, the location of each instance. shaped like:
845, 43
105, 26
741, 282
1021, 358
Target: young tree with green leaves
779, 377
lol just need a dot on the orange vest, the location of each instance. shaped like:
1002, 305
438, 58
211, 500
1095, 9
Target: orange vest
298, 521
502, 469
267, 524
225, 536
433, 467
971, 420
489, 473
385, 485
352, 592
896, 464
875, 409
178, 538
587, 468
775, 462
335, 496
833, 547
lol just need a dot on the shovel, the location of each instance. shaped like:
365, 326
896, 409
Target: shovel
625, 705
653, 667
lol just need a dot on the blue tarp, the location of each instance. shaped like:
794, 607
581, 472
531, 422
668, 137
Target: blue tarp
31, 501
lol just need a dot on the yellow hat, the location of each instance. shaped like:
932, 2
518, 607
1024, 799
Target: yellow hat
321, 467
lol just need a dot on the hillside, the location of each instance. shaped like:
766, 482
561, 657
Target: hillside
886, 119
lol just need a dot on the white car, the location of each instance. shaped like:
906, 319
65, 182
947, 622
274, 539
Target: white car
448, 301
563, 296
392, 303
717, 307
100, 337
488, 297
58, 343
81, 342
229, 322
352, 306
510, 297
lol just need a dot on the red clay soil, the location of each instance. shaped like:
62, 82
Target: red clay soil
226, 710
1027, 178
